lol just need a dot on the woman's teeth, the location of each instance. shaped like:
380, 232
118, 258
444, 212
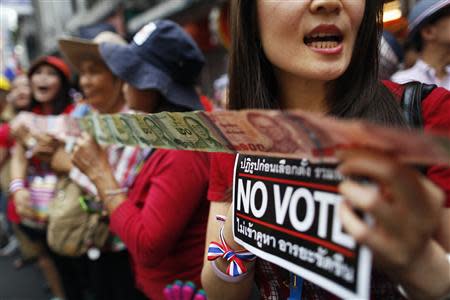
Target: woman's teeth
323, 41
323, 45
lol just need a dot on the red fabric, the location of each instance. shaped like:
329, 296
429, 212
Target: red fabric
436, 116
207, 105
69, 108
163, 221
5, 136
221, 176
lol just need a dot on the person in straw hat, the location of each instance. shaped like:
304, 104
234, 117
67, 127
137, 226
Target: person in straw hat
162, 218
109, 269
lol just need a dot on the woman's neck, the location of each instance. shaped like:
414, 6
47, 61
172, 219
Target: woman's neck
436, 56
47, 108
297, 93
115, 107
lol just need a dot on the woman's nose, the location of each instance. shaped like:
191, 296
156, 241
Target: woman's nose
326, 6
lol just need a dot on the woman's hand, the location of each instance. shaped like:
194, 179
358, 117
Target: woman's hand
90, 158
406, 209
61, 161
22, 135
22, 201
405, 206
45, 147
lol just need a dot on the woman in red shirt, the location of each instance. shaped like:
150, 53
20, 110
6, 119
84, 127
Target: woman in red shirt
162, 217
322, 56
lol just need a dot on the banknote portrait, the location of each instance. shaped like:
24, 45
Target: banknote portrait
280, 136
146, 135
123, 131
102, 131
204, 138
88, 125
156, 134
316, 137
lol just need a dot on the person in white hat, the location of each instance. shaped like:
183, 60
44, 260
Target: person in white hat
429, 31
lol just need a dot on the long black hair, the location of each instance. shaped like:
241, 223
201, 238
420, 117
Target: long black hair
356, 94
62, 98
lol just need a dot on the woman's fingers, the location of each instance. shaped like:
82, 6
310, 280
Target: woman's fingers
367, 198
353, 224
398, 181
404, 205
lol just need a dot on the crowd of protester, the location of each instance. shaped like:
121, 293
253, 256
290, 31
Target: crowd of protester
152, 212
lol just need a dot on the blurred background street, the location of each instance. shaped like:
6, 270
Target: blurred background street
26, 283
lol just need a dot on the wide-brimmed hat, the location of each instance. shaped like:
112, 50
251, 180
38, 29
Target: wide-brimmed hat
53, 61
163, 57
77, 50
423, 11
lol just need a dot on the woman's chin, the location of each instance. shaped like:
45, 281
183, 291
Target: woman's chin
43, 99
328, 73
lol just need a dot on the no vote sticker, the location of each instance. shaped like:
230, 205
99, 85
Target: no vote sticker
286, 212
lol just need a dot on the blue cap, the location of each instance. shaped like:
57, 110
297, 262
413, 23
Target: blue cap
422, 11
163, 57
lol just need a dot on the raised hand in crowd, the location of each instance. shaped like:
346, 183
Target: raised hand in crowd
61, 161
92, 160
45, 147
22, 200
89, 157
22, 135
21, 196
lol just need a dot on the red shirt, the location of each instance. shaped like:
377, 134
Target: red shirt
6, 140
163, 221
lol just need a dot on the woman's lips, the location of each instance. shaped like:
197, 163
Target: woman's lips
325, 39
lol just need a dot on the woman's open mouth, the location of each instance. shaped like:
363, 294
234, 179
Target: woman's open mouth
326, 39
43, 89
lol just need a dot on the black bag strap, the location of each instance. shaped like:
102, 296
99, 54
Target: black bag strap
411, 102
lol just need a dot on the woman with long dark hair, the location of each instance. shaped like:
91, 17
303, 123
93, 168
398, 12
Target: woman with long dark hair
322, 56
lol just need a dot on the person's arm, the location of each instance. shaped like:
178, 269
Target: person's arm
19, 162
151, 231
215, 287
177, 187
407, 211
4, 154
61, 161
21, 196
